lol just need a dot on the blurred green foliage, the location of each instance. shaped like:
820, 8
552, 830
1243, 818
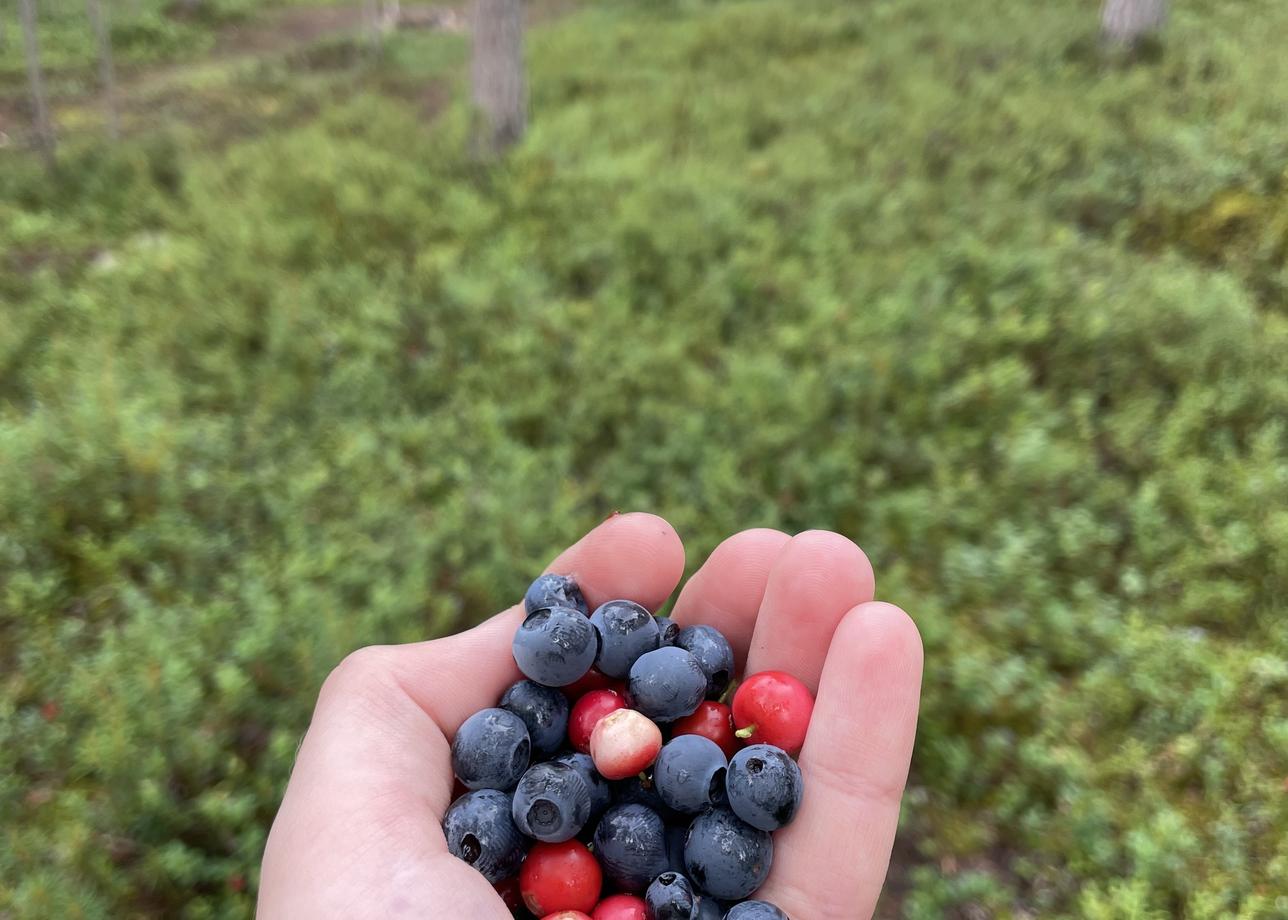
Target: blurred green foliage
1010, 316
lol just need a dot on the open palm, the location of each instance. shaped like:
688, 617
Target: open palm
358, 834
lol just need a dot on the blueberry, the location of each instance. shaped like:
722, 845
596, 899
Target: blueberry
667, 631
755, 910
690, 773
764, 786
555, 646
554, 591
667, 684
544, 710
479, 830
551, 803
671, 897
726, 857
601, 793
708, 909
713, 653
675, 834
491, 750
638, 791
631, 846
626, 631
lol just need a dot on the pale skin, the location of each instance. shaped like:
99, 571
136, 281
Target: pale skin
358, 834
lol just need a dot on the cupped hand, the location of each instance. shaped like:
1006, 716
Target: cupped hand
358, 833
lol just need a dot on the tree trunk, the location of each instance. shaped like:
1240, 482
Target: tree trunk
371, 21
106, 72
1126, 22
36, 82
500, 96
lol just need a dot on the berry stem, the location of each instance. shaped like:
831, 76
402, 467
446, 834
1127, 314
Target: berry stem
745, 733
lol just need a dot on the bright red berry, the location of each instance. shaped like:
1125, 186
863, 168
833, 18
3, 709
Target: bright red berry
773, 707
624, 743
587, 712
567, 915
560, 877
711, 720
620, 907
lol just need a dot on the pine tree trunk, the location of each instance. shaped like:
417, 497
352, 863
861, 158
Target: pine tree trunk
1126, 22
500, 95
106, 72
36, 82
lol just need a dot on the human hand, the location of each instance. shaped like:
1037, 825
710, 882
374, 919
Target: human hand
358, 833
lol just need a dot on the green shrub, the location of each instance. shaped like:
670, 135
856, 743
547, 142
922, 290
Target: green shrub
1011, 319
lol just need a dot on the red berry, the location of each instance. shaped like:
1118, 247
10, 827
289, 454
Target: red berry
567, 915
773, 707
620, 907
624, 743
587, 712
711, 720
560, 876
594, 679
508, 889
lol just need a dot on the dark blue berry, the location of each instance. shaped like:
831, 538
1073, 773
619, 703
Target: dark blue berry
671, 897
667, 631
713, 653
551, 802
555, 646
491, 750
554, 591
755, 910
666, 684
726, 857
544, 710
764, 786
636, 791
479, 830
626, 631
631, 846
601, 793
675, 835
709, 909
690, 773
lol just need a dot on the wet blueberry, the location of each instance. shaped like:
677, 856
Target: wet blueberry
755, 910
713, 653
726, 857
491, 750
666, 684
764, 786
626, 631
544, 710
671, 897
554, 591
690, 773
555, 646
479, 830
551, 802
631, 846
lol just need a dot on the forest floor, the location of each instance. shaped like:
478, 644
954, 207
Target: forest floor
310, 38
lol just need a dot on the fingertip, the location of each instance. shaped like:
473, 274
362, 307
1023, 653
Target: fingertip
636, 555
882, 633
829, 555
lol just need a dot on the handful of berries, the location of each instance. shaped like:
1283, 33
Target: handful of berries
580, 808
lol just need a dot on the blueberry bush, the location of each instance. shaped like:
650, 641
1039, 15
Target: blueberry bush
1009, 314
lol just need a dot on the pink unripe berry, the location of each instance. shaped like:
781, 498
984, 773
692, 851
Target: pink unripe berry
624, 743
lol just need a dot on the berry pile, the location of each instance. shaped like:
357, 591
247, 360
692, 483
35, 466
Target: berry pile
579, 808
